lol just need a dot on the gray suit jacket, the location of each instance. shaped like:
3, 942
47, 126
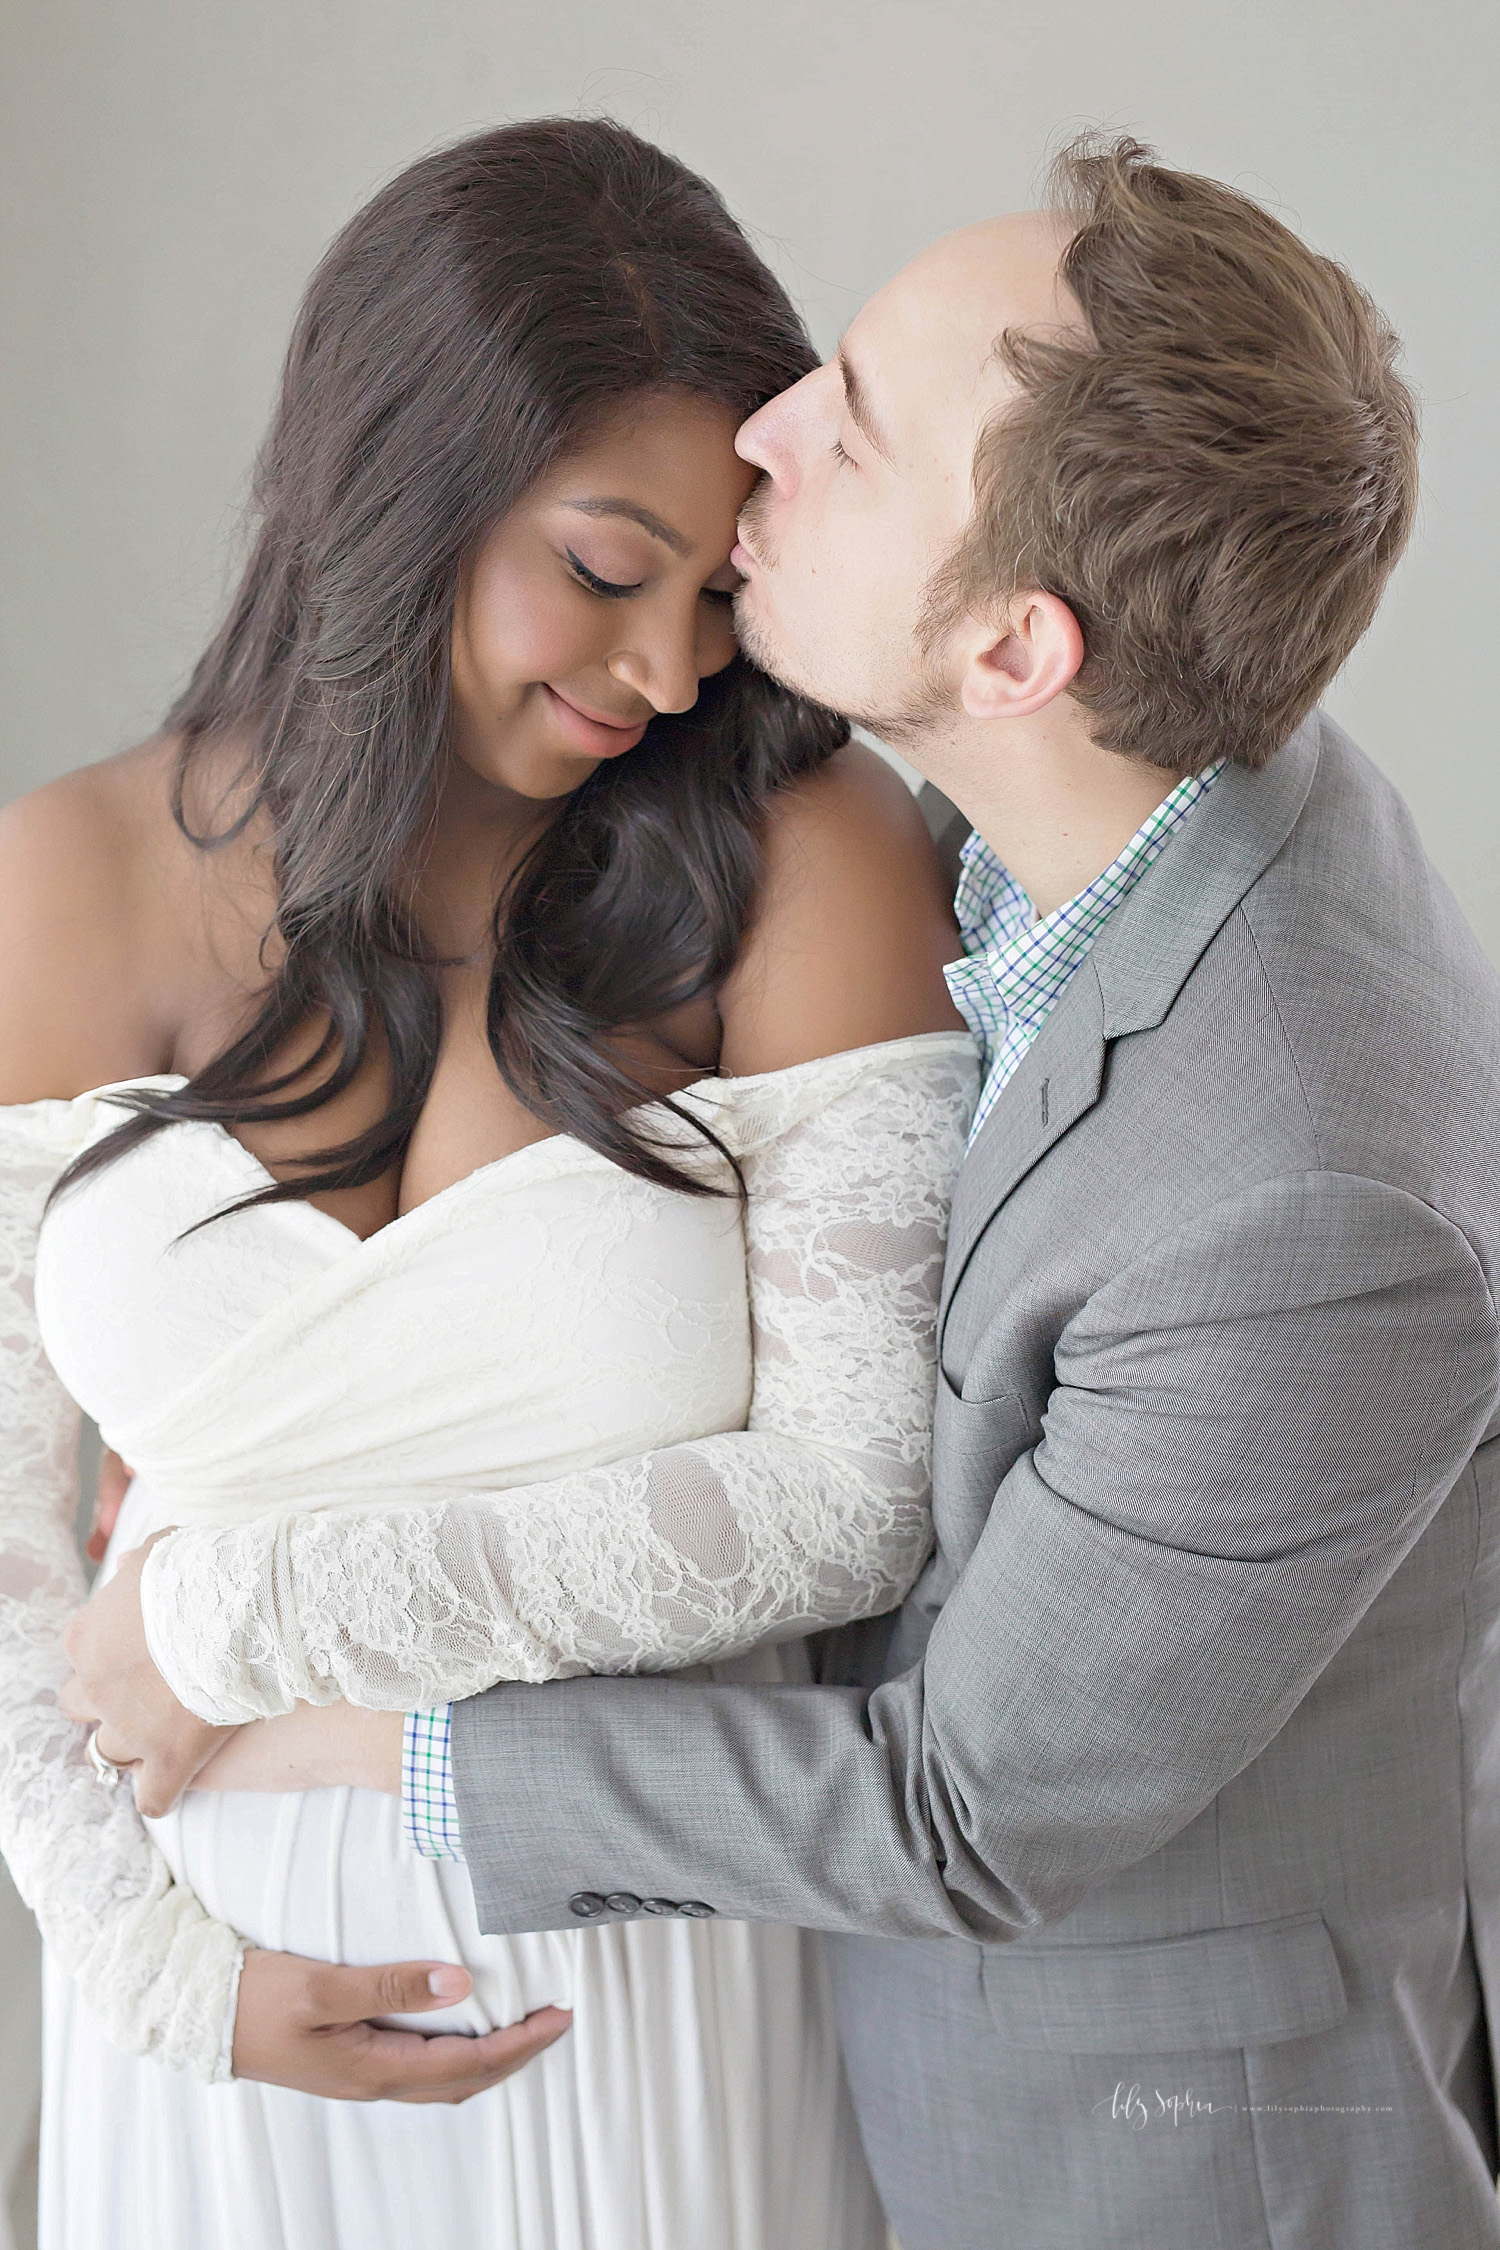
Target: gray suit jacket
1162, 1828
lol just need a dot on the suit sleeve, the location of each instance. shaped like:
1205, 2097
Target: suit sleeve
1250, 1427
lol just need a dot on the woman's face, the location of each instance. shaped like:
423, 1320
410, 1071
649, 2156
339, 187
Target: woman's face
603, 597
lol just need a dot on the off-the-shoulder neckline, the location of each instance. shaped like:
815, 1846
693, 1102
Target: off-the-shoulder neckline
709, 1092
712, 1081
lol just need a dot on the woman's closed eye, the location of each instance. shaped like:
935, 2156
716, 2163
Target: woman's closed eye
610, 590
613, 590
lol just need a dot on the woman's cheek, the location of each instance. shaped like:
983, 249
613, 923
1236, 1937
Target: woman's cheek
525, 633
717, 644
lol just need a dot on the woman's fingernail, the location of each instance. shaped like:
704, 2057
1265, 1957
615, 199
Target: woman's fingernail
448, 1984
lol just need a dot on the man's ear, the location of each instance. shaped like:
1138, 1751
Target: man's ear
1019, 665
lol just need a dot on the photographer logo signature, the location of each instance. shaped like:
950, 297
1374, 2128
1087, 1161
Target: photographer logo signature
1136, 2107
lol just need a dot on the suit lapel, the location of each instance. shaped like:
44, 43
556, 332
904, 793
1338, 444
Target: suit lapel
1056, 1081
1143, 957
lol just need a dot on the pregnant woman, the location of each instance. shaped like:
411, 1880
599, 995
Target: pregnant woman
480, 1102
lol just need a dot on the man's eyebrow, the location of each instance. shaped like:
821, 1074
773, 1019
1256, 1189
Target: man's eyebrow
858, 403
634, 513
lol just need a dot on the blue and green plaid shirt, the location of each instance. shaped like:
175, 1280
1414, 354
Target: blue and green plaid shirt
1010, 979
1014, 967
429, 1808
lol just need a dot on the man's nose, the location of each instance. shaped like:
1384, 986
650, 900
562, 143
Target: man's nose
752, 436
769, 439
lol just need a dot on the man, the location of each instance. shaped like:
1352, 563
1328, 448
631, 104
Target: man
1156, 1831
1160, 1830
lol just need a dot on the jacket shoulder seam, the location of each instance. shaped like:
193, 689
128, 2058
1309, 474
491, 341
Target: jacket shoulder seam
1286, 1037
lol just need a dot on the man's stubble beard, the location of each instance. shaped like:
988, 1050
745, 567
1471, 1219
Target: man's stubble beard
761, 649
751, 635
902, 725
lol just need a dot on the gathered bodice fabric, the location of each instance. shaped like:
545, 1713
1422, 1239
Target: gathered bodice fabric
544, 1313
556, 1419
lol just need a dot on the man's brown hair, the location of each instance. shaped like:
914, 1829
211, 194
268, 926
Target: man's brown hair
1217, 479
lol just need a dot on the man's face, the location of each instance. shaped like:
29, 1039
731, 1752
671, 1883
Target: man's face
867, 479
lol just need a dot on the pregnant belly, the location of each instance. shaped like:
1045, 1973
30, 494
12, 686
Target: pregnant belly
327, 1873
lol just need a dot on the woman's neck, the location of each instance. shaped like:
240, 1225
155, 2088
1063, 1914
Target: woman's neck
480, 832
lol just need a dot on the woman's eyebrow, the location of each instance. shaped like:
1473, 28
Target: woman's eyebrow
634, 513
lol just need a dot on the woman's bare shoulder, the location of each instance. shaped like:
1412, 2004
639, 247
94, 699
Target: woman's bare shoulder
852, 927
88, 870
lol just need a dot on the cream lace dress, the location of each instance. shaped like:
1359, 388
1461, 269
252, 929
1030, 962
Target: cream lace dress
519, 1433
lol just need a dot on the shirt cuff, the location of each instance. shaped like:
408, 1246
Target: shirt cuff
429, 1808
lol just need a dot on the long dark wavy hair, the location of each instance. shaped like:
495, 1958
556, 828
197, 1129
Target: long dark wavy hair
479, 319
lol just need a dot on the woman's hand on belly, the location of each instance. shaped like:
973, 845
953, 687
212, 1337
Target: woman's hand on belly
327, 1746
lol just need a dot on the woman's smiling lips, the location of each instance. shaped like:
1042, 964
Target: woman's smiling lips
601, 738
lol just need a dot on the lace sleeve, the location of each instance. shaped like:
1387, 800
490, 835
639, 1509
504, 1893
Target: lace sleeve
816, 1513
159, 1973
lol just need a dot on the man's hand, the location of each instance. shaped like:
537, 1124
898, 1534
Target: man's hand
141, 1723
305, 2024
313, 1746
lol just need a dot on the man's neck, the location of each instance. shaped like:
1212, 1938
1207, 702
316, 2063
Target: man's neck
1054, 807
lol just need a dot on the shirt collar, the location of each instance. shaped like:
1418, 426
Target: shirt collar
997, 921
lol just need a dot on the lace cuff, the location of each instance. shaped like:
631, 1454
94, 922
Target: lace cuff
159, 1972
816, 1513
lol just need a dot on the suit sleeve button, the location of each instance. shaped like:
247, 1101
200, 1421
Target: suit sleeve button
658, 1906
585, 1904
623, 1902
696, 1909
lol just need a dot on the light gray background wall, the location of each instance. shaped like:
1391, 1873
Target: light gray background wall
172, 168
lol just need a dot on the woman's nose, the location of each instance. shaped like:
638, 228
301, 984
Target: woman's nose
666, 674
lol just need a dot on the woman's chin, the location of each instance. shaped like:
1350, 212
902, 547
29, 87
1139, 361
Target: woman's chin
541, 776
